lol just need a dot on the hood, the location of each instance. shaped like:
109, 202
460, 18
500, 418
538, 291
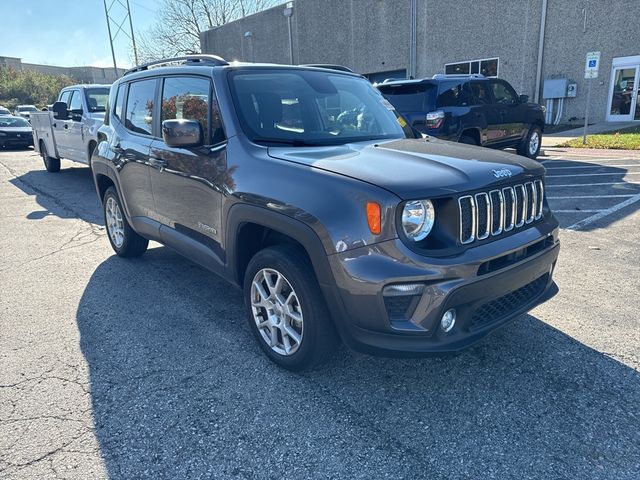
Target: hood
416, 168
28, 130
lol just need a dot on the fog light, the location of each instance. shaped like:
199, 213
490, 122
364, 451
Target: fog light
448, 320
403, 289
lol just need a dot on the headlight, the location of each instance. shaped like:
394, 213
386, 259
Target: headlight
418, 217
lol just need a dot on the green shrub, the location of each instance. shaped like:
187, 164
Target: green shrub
30, 87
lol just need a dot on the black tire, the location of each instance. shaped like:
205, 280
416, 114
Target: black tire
468, 140
132, 245
319, 337
529, 148
52, 165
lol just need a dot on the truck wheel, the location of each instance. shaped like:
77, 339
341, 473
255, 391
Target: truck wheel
124, 241
286, 310
530, 145
51, 164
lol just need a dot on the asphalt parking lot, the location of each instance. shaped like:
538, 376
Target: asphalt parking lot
123, 369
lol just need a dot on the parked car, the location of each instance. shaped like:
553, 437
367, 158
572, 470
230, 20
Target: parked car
15, 132
4, 111
469, 109
25, 111
69, 129
328, 222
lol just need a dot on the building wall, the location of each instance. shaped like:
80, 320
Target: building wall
80, 74
371, 36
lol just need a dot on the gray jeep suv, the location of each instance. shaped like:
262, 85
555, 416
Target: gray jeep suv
336, 226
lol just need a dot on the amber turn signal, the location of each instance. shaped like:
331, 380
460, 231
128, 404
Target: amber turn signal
373, 217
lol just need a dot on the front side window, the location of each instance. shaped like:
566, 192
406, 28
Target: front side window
76, 101
187, 98
97, 99
139, 112
503, 93
303, 107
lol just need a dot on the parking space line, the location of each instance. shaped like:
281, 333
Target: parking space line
591, 184
594, 166
591, 196
591, 174
602, 213
577, 211
588, 160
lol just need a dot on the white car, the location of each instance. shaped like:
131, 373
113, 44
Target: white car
25, 111
4, 111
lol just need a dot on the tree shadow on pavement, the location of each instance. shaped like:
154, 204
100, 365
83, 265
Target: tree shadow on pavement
69, 193
180, 389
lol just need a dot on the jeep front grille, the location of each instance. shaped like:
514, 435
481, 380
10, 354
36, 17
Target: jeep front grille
491, 213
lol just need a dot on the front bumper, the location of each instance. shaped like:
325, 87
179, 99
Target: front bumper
485, 290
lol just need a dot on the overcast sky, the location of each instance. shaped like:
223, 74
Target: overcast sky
68, 32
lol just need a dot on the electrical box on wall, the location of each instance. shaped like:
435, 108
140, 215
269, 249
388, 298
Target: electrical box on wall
572, 90
555, 88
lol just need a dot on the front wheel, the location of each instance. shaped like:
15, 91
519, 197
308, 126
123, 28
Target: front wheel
51, 164
124, 240
530, 145
286, 310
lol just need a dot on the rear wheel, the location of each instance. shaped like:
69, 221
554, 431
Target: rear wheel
530, 145
286, 310
50, 163
124, 240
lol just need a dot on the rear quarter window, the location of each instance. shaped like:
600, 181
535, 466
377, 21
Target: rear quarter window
410, 98
452, 94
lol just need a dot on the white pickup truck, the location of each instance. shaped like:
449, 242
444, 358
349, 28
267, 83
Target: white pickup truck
70, 129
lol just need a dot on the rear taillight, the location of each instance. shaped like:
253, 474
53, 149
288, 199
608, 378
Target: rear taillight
435, 119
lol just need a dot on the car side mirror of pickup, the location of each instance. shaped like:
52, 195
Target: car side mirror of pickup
60, 111
182, 133
524, 98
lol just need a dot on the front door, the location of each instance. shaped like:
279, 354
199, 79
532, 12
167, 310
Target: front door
623, 97
187, 182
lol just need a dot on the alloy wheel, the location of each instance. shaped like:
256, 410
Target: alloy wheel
276, 311
115, 223
534, 142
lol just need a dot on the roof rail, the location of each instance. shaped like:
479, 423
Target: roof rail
458, 75
329, 66
213, 60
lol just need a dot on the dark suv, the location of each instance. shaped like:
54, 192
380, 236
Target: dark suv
335, 226
469, 109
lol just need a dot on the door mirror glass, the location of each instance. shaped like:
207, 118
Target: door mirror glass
182, 133
60, 111
524, 98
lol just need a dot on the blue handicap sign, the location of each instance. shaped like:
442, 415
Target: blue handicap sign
592, 63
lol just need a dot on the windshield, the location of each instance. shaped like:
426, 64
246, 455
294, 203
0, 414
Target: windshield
303, 107
411, 98
13, 122
97, 99
27, 108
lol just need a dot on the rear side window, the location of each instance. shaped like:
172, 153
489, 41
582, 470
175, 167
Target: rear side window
139, 112
480, 93
452, 95
118, 107
411, 98
187, 98
64, 97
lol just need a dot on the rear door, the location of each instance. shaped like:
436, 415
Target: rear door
187, 182
512, 113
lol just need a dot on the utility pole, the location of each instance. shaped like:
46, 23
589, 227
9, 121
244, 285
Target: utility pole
118, 27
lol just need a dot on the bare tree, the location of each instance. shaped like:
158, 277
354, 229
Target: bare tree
179, 23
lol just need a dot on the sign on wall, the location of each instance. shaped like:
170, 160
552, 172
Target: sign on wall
591, 65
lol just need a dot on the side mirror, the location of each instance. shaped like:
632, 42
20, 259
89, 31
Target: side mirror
524, 98
60, 111
182, 133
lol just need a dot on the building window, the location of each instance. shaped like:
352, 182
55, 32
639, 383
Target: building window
487, 67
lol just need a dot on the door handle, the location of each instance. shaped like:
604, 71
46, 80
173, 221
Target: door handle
66, 126
157, 163
55, 125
